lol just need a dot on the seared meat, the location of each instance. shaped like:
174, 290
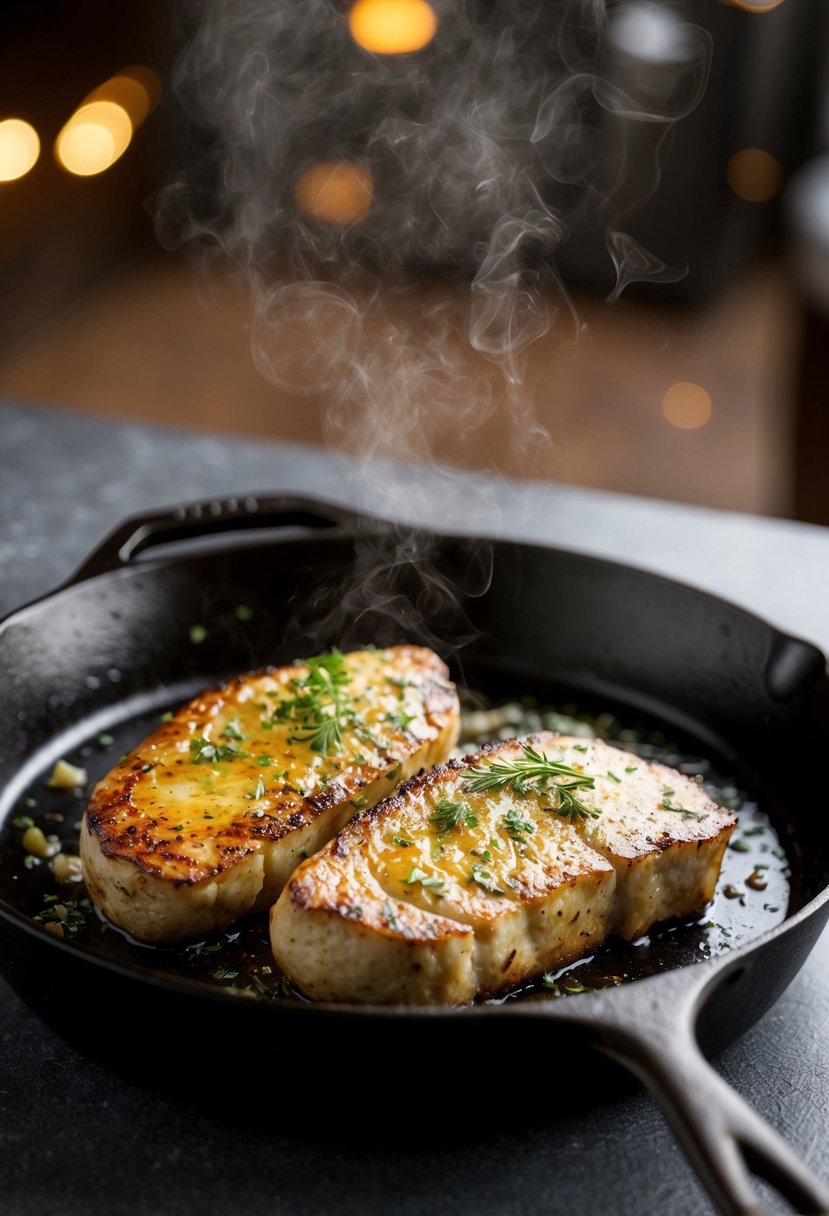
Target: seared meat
493, 869
207, 818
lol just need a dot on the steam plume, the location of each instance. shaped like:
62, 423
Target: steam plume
520, 123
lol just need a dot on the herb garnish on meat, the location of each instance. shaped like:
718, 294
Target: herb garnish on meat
534, 773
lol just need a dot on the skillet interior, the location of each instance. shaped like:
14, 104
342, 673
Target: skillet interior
107, 650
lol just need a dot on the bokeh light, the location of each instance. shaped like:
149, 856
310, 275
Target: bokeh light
755, 6
687, 406
93, 139
335, 191
19, 148
392, 27
100, 130
754, 175
136, 89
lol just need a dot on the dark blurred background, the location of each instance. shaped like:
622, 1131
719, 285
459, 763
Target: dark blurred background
709, 387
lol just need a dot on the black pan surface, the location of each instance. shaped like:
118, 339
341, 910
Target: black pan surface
102, 657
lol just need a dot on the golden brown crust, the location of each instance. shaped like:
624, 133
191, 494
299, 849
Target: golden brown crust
534, 897
226, 781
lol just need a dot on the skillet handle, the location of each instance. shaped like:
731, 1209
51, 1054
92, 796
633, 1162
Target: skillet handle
190, 520
723, 1137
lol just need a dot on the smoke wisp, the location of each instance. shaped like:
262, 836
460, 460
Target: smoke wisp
518, 125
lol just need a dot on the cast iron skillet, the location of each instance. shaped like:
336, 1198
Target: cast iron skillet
113, 643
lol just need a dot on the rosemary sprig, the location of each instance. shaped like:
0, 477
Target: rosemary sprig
534, 773
321, 704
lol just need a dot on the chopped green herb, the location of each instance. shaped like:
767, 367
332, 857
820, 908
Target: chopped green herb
517, 827
303, 852
579, 747
755, 830
613, 777
70, 913
631, 768
177, 827
243, 612
394, 773
225, 975
232, 731
30, 802
197, 634
258, 790
264, 762
202, 749
321, 706
23, 821
435, 884
359, 801
145, 768
360, 759
739, 846
104, 740
668, 805
548, 979
484, 854
779, 853
449, 815
166, 717
401, 842
401, 720
206, 816
76, 827
354, 911
213, 948
484, 879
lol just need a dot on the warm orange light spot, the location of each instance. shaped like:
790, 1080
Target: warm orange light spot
754, 175
392, 27
687, 406
101, 128
93, 139
335, 191
135, 89
19, 148
755, 6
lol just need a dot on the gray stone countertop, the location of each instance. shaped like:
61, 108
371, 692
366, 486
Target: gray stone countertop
65, 481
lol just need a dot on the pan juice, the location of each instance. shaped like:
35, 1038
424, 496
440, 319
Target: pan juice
752, 895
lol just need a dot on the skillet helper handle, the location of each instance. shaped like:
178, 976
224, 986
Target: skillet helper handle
203, 518
651, 1032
